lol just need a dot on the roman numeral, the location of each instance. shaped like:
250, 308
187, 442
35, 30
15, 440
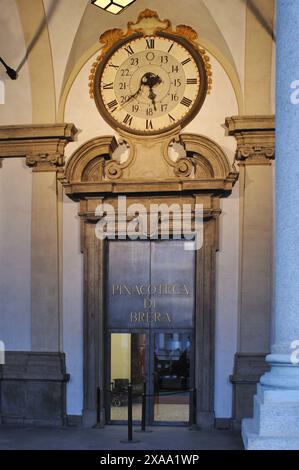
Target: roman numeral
186, 61
186, 102
191, 81
149, 124
171, 119
170, 47
113, 105
129, 50
108, 86
114, 66
128, 120
150, 43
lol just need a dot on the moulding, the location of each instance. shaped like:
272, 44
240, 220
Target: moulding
42, 145
93, 170
255, 136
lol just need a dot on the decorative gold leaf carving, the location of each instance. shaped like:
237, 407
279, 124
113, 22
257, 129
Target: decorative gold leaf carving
147, 13
187, 32
191, 35
110, 37
148, 23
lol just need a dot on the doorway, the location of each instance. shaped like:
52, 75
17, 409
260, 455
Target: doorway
161, 361
150, 330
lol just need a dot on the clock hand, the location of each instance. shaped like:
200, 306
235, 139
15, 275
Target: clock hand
153, 81
143, 81
152, 97
150, 80
135, 94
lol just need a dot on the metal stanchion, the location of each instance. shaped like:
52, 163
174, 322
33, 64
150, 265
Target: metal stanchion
98, 424
130, 417
143, 411
193, 424
143, 408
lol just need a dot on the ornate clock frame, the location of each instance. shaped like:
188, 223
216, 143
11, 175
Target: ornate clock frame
201, 62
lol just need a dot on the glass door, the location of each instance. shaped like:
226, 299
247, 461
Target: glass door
128, 364
171, 377
160, 359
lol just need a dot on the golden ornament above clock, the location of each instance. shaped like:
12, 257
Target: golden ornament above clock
150, 79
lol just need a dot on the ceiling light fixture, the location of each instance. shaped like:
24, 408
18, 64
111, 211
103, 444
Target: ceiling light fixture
113, 6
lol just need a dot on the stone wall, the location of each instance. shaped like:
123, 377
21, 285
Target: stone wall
33, 388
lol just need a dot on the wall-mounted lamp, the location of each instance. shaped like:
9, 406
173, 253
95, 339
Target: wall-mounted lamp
113, 6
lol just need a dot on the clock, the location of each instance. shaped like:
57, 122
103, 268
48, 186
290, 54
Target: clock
150, 84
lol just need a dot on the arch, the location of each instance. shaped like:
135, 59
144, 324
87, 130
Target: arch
208, 155
85, 157
92, 169
40, 61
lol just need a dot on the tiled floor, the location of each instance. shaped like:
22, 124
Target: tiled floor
108, 438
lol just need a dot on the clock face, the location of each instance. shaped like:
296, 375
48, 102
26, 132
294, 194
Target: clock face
149, 85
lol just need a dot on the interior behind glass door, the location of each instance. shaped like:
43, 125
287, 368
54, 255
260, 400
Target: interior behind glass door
128, 365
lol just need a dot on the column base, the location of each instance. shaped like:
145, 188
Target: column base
275, 423
248, 369
205, 420
254, 441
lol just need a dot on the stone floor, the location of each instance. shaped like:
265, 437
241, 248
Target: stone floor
161, 438
163, 412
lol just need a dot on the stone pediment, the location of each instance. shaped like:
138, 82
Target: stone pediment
149, 168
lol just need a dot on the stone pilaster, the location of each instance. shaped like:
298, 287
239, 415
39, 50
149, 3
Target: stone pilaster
255, 153
276, 406
43, 147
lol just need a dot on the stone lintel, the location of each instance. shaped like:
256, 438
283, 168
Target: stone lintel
255, 136
42, 145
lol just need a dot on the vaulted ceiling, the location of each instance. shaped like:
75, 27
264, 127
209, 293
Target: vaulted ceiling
49, 41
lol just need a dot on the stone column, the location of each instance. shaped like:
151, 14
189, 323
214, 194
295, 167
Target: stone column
276, 406
43, 147
255, 154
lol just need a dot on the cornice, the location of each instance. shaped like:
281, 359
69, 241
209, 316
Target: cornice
43, 145
255, 136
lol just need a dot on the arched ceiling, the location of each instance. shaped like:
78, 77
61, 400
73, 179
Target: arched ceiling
195, 13
62, 35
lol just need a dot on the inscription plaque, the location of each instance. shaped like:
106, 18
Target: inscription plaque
150, 285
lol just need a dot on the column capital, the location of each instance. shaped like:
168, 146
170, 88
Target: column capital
42, 145
255, 136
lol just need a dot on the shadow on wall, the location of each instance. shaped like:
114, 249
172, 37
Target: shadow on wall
267, 25
46, 20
